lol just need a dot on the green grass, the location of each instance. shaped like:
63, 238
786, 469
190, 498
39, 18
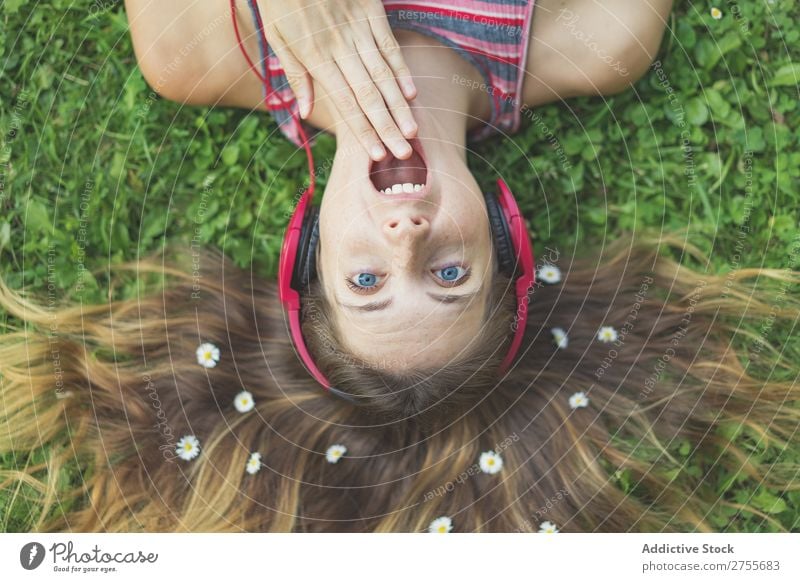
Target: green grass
97, 168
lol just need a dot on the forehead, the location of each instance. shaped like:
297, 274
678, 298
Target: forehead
411, 333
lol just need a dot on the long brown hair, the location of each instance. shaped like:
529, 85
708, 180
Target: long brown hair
104, 392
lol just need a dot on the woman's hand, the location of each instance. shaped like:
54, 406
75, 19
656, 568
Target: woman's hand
350, 51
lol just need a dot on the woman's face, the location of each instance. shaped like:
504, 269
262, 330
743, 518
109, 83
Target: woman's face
406, 256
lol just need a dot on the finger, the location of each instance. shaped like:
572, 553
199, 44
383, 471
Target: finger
391, 53
386, 82
370, 99
345, 102
298, 77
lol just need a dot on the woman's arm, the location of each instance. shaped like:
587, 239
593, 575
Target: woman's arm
187, 52
590, 47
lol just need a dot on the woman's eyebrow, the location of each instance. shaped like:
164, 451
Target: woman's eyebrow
451, 298
380, 305
371, 306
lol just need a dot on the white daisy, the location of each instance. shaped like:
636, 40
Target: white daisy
560, 337
188, 447
607, 334
335, 452
207, 355
253, 463
441, 525
244, 401
549, 273
490, 462
716, 13
578, 400
547, 527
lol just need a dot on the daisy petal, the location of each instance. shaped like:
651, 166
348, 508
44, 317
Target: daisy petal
549, 273
607, 334
578, 400
547, 527
560, 337
243, 401
207, 355
441, 525
253, 465
335, 452
188, 447
490, 462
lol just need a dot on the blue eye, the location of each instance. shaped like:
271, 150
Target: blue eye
366, 280
451, 274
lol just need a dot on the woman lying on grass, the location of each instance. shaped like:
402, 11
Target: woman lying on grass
194, 412
405, 253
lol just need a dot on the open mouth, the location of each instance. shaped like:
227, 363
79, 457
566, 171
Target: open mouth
392, 176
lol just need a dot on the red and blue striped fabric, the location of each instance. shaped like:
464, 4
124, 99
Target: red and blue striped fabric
491, 34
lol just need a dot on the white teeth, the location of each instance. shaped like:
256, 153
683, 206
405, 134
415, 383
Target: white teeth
406, 188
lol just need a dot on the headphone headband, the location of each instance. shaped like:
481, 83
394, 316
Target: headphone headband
288, 287
523, 251
297, 267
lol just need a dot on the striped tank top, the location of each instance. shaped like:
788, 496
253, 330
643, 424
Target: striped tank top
492, 35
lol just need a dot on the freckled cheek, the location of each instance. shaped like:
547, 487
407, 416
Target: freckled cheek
342, 232
464, 226
472, 233
471, 215
344, 252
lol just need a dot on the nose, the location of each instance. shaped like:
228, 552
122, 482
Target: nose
412, 226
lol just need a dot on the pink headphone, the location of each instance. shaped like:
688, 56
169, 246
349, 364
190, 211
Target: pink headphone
297, 265
297, 268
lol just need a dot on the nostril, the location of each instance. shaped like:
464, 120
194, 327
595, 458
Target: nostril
410, 222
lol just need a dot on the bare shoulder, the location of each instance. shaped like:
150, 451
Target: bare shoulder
590, 47
187, 51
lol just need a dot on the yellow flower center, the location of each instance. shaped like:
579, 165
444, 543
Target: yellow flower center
442, 529
187, 447
491, 461
207, 355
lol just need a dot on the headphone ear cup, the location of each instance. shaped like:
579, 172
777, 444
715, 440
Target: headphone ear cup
500, 234
305, 271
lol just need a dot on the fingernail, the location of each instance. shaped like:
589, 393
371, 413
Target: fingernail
409, 88
377, 152
404, 150
409, 128
304, 107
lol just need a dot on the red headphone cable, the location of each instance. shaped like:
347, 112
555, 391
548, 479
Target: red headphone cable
269, 91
